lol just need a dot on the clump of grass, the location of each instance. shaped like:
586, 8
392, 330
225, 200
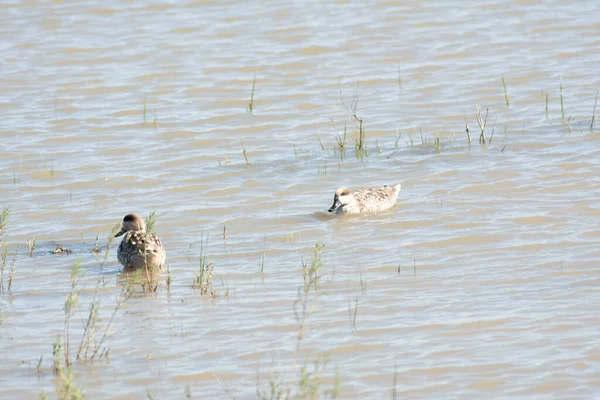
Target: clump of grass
90, 348
311, 381
96, 249
150, 395
251, 104
91, 345
289, 238
546, 105
310, 274
307, 384
277, 388
4, 252
226, 293
481, 121
66, 384
360, 146
151, 223
359, 143
3, 262
3, 222
203, 276
71, 303
341, 140
31, 246
49, 169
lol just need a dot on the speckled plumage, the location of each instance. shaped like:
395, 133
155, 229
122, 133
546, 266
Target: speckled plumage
364, 201
139, 249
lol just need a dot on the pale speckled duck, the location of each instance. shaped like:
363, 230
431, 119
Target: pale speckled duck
139, 249
370, 200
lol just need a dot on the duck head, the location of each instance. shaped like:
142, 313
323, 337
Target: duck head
132, 222
342, 197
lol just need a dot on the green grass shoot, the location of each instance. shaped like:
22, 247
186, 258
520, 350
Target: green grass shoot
505, 92
150, 222
245, 154
251, 104
320, 142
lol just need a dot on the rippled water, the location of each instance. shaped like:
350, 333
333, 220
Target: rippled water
483, 280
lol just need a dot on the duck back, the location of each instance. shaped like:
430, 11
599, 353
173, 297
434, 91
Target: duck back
376, 199
138, 250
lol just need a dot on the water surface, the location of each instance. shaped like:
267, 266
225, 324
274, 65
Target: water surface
481, 281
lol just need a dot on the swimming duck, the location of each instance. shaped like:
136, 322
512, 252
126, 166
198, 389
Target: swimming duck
365, 200
139, 249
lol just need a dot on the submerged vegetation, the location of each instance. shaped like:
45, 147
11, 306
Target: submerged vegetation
7, 260
435, 141
83, 336
251, 104
505, 92
203, 276
308, 382
90, 344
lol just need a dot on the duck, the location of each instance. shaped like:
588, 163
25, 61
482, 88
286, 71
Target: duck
369, 200
139, 249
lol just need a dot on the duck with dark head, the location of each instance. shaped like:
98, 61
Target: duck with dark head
139, 249
364, 201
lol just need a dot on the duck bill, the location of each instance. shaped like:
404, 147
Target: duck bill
122, 231
335, 206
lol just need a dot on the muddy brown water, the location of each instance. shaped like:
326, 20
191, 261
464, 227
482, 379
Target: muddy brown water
483, 280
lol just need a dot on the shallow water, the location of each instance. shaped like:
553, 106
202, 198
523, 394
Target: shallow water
483, 280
